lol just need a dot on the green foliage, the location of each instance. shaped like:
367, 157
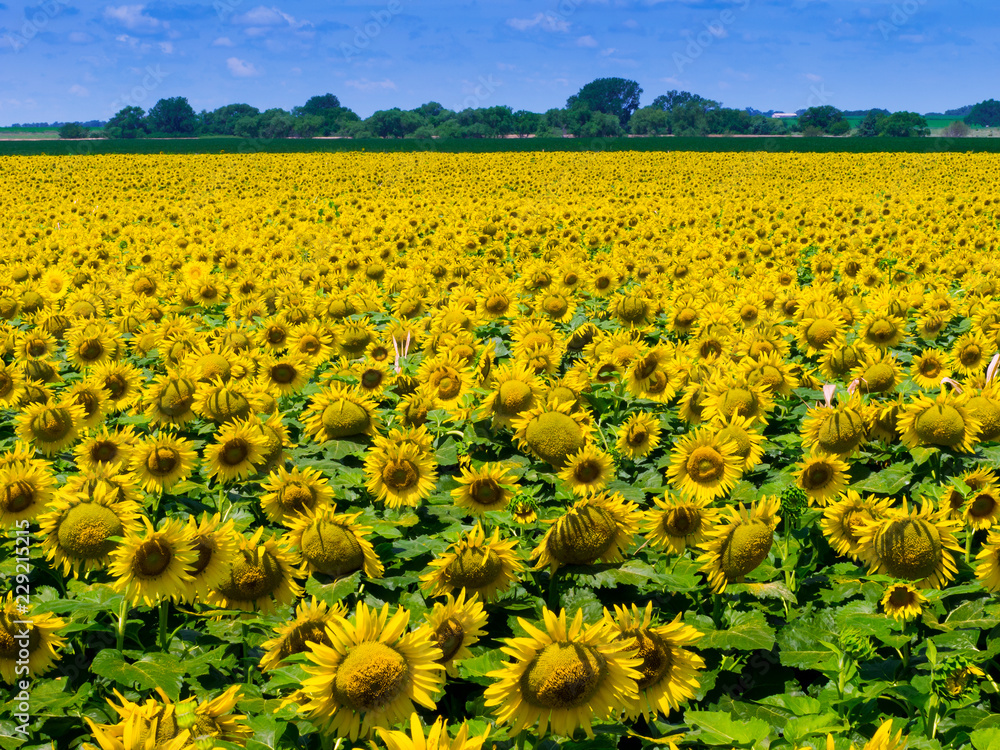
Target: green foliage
985, 114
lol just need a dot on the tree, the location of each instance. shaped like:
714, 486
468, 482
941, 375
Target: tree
73, 130
869, 127
904, 125
820, 118
222, 121
173, 116
985, 114
393, 123
526, 123
128, 122
957, 129
612, 96
650, 121
668, 101
309, 126
317, 105
690, 118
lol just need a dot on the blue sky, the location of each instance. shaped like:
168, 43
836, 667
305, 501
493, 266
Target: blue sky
66, 60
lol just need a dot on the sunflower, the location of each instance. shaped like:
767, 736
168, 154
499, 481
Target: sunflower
986, 406
741, 435
24, 630
400, 474
92, 398
153, 565
552, 432
971, 353
911, 545
122, 382
315, 340
982, 509
838, 430
160, 462
454, 626
882, 330
821, 333
514, 390
286, 374
338, 412
487, 488
946, 422
588, 470
260, 575
79, 531
822, 477
436, 739
236, 453
11, 384
770, 370
598, 527
223, 402
679, 523
669, 671
843, 520
881, 374
215, 544
736, 547
333, 544
445, 379
288, 493
988, 569
50, 427
370, 674
169, 398
927, 369
476, 564
25, 489
109, 447
903, 602
564, 677
90, 345
702, 466
838, 361
293, 637
638, 435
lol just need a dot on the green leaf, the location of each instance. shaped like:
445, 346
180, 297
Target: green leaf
267, 731
775, 716
888, 481
719, 728
477, 667
805, 726
973, 614
748, 631
985, 739
155, 670
332, 593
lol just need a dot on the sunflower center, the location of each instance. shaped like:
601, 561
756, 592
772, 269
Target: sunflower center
296, 497
746, 548
657, 656
310, 344
6, 383
332, 549
52, 425
514, 397
820, 333
474, 568
370, 677
86, 529
738, 439
344, 418
882, 331
910, 549
302, 634
682, 521
583, 535
553, 436
116, 385
17, 496
235, 452
400, 474
555, 305
204, 550
983, 505
900, 596
176, 398
564, 675
970, 355
90, 350
283, 373
587, 471
646, 366
104, 451
486, 491
276, 336
941, 424
162, 461
738, 401
449, 637
637, 436
9, 646
817, 475
841, 432
250, 579
447, 383
371, 379
152, 558
930, 368
705, 465
633, 309
769, 376
497, 304
878, 378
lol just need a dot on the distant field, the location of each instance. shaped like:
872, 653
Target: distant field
29, 133
247, 146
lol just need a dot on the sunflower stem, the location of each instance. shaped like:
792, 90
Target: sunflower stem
122, 620
717, 611
163, 625
968, 545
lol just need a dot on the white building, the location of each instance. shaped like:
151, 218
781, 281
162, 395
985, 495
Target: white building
783, 115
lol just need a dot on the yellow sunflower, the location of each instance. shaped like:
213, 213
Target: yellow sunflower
702, 465
911, 545
588, 470
435, 739
903, 602
838, 430
735, 548
823, 477
552, 432
679, 523
669, 671
169, 399
927, 369
476, 564
370, 674
108, 447
988, 568
236, 453
946, 422
484, 489
50, 427
22, 629
843, 520
338, 412
26, 488
400, 474
597, 527
333, 544
260, 575
455, 625
215, 544
160, 462
293, 637
638, 435
153, 565
514, 389
744, 438
564, 677
287, 493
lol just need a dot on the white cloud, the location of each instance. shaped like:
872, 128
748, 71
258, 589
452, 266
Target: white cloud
586, 41
364, 84
167, 48
242, 68
608, 52
263, 17
543, 21
132, 17
223, 41
813, 77
77, 90
80, 37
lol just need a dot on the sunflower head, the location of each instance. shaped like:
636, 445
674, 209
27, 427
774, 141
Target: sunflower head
552, 432
598, 527
737, 547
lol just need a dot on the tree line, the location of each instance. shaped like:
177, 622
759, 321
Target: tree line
605, 107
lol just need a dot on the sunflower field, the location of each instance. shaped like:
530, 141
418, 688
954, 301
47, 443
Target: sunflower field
527, 450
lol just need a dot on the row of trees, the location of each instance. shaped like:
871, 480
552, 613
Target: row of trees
604, 107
